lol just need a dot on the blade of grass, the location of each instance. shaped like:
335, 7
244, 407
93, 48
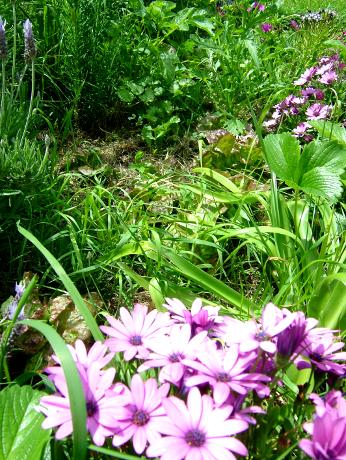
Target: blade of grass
112, 453
67, 282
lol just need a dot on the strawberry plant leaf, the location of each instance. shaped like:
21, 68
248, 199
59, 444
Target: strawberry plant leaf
20, 424
282, 154
330, 130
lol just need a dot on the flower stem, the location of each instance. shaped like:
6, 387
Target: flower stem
14, 50
3, 88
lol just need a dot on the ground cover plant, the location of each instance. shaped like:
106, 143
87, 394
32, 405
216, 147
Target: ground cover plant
172, 230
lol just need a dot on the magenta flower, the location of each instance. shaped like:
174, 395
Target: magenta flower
201, 318
318, 111
97, 354
226, 371
310, 91
322, 354
306, 76
140, 414
333, 400
266, 27
328, 77
132, 334
292, 340
258, 6
251, 335
169, 351
294, 24
328, 433
197, 431
300, 130
100, 404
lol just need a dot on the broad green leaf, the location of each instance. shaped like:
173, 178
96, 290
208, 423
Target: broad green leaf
330, 130
156, 293
282, 154
321, 165
253, 50
316, 171
329, 155
223, 180
125, 95
321, 182
328, 303
199, 19
299, 377
20, 424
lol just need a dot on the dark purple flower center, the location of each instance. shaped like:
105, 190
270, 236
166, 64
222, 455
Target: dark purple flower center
223, 377
316, 357
195, 438
91, 407
136, 340
140, 417
176, 357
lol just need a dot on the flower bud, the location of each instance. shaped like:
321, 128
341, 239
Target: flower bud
3, 44
29, 42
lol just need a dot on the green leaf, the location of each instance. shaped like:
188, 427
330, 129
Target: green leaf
253, 50
329, 155
316, 171
20, 424
199, 19
282, 154
125, 95
330, 130
328, 303
321, 182
113, 453
321, 165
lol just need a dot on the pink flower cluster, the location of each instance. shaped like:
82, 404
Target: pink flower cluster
212, 364
327, 72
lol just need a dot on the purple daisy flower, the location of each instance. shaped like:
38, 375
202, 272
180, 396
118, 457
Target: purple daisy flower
251, 335
328, 77
197, 431
140, 414
100, 404
322, 353
292, 341
169, 351
83, 358
300, 130
225, 371
200, 318
328, 431
266, 27
306, 76
318, 111
132, 334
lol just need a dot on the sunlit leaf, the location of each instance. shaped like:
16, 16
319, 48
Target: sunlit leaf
20, 424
